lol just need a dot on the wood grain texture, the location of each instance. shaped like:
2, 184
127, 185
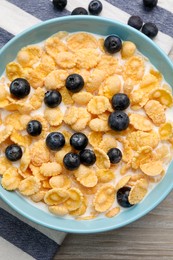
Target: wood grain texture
149, 238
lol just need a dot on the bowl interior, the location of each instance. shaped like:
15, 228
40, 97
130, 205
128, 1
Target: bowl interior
103, 27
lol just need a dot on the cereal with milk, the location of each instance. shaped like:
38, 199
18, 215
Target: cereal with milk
112, 181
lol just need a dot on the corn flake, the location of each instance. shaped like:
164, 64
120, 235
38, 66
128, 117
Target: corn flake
59, 210
83, 119
81, 210
5, 133
56, 196
113, 212
54, 116
50, 169
82, 98
110, 87
66, 60
163, 96
75, 199
79, 41
102, 159
11, 179
66, 97
134, 69
105, 175
37, 98
29, 186
71, 115
104, 198
138, 192
23, 140
55, 79
98, 125
29, 55
152, 168
122, 182
54, 45
107, 143
14, 71
39, 196
87, 58
25, 160
39, 153
166, 131
60, 181
140, 122
155, 112
128, 49
98, 105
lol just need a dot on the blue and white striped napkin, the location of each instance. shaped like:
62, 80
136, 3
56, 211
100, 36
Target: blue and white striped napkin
20, 238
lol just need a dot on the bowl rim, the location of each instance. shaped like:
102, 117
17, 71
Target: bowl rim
162, 196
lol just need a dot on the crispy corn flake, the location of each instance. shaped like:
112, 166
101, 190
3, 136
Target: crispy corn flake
128, 49
127, 152
59, 156
83, 119
46, 59
60, 181
54, 45
98, 105
166, 131
36, 172
75, 199
104, 116
82, 40
14, 71
37, 98
50, 169
5, 133
25, 174
71, 115
11, 179
102, 159
104, 198
23, 140
54, 116
81, 210
157, 74
140, 122
149, 83
110, 87
23, 108
122, 182
25, 160
95, 138
138, 98
39, 196
4, 165
113, 212
163, 96
98, 125
87, 58
13, 119
134, 68
143, 154
45, 184
155, 111
39, 153
138, 192
66, 60
162, 153
66, 97
107, 143
128, 86
56, 196
139, 139
105, 175
29, 186
109, 65
82, 98
125, 167
152, 168
4, 94
55, 79
95, 80
86, 176
59, 210
29, 55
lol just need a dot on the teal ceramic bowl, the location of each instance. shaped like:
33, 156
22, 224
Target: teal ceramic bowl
157, 57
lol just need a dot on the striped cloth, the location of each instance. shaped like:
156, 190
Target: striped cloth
20, 238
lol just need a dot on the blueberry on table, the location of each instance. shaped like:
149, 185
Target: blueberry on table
78, 141
115, 155
71, 161
122, 197
113, 44
79, 11
118, 121
20, 88
150, 3
34, 128
95, 7
74, 83
13, 152
87, 157
55, 141
150, 30
120, 101
60, 4
52, 98
135, 22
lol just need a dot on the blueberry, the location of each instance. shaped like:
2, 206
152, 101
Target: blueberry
79, 141
13, 152
112, 44
52, 98
150, 3
150, 29
34, 128
135, 22
120, 101
74, 83
71, 161
79, 11
115, 155
95, 7
122, 197
20, 88
87, 157
118, 121
55, 141
60, 4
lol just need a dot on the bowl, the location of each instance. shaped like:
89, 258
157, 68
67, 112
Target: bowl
157, 57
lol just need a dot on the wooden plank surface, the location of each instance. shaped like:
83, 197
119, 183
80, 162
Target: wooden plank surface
149, 238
